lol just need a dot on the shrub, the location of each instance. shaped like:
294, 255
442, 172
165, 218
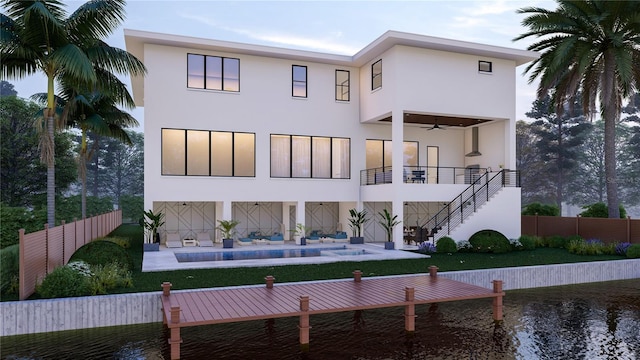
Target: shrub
426, 248
557, 241
100, 252
633, 252
515, 244
621, 249
109, 276
64, 282
464, 246
81, 267
528, 242
590, 247
490, 241
446, 245
600, 210
9, 269
541, 209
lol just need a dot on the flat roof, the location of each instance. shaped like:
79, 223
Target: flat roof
136, 39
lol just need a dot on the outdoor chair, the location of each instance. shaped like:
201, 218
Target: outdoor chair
204, 239
173, 240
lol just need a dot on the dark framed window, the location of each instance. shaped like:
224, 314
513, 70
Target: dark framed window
343, 83
299, 81
378, 153
208, 153
485, 66
318, 157
213, 73
376, 75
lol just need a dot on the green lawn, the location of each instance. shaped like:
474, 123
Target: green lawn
204, 278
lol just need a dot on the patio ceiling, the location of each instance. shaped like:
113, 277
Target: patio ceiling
422, 119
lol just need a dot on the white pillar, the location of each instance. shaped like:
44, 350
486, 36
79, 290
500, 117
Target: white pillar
397, 139
300, 217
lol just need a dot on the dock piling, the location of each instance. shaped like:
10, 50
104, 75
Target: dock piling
497, 301
410, 309
269, 279
174, 339
304, 323
357, 276
433, 272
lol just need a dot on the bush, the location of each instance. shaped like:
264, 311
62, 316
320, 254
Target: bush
559, 242
600, 210
633, 252
621, 249
528, 242
9, 269
590, 247
100, 252
464, 246
64, 282
109, 276
426, 248
13, 219
490, 241
541, 209
446, 245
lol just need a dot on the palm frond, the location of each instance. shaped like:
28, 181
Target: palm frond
96, 19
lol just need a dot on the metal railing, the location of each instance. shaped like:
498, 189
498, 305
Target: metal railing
468, 202
423, 175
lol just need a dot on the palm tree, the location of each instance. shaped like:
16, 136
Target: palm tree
589, 46
37, 36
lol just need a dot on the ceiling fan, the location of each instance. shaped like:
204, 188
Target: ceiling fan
434, 127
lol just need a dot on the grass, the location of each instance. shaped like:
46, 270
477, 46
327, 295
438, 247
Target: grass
205, 278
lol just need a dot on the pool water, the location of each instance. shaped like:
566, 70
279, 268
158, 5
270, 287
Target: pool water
267, 254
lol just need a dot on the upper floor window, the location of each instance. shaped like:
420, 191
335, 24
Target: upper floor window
376, 75
342, 85
294, 156
485, 66
207, 153
213, 73
299, 77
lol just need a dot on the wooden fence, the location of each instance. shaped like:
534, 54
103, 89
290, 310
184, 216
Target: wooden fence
43, 251
607, 230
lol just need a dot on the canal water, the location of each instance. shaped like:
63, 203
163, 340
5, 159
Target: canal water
591, 321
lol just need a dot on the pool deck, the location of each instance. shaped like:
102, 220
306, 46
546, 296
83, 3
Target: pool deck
165, 259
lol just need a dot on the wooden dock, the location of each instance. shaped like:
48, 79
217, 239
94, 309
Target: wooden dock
215, 306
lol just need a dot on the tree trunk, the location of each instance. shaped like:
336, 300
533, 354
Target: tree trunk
610, 112
51, 173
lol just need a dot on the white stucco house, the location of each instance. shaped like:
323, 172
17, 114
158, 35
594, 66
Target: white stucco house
272, 137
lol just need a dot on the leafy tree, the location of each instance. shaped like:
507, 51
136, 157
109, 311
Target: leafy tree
37, 36
600, 210
533, 171
592, 46
7, 89
541, 209
121, 167
22, 177
559, 136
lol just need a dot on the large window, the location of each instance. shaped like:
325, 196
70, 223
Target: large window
299, 78
208, 153
379, 153
342, 85
433, 161
213, 73
320, 157
376, 75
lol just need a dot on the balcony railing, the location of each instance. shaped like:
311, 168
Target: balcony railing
423, 175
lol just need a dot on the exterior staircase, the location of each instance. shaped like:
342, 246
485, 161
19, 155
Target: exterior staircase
469, 202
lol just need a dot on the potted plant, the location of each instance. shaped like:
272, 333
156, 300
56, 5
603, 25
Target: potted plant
388, 222
227, 228
151, 223
301, 231
357, 220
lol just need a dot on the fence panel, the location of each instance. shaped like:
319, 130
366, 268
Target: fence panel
607, 230
634, 231
55, 248
33, 261
70, 237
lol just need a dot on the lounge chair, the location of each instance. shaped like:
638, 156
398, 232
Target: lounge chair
173, 241
276, 238
204, 239
245, 241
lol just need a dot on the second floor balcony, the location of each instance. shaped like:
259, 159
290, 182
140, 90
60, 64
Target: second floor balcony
424, 175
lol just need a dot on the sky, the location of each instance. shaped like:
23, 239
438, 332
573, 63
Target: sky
334, 27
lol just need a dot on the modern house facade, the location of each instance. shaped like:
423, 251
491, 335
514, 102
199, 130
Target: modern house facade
421, 126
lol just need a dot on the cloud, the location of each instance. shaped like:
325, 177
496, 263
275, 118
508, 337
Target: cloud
325, 44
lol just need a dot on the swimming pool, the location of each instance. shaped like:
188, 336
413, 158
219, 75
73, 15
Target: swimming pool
268, 254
